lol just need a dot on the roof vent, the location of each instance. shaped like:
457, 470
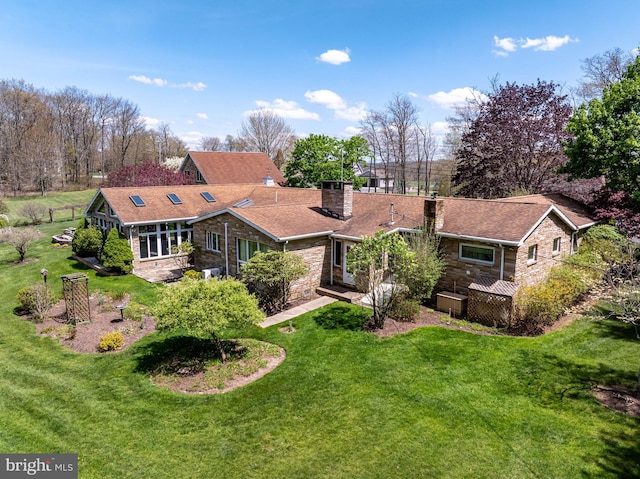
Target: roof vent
268, 181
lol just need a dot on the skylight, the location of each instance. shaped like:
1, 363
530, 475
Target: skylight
137, 200
174, 199
208, 196
243, 203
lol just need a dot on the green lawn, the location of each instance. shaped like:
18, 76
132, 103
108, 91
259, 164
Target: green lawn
344, 404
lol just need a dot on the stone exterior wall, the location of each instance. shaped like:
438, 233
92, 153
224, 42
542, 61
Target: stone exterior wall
531, 272
315, 252
460, 273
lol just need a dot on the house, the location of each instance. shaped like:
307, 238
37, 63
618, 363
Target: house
376, 181
231, 168
515, 240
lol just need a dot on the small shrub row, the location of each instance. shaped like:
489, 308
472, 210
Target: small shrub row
542, 304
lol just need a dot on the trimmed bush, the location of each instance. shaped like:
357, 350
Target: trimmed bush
117, 253
87, 241
192, 274
111, 341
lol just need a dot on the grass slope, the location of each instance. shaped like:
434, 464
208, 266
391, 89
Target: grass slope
432, 403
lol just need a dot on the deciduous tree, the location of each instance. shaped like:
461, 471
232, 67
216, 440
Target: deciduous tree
204, 309
149, 173
319, 158
601, 71
20, 238
269, 276
267, 132
514, 144
211, 143
378, 261
605, 137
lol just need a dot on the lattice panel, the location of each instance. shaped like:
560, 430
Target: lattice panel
75, 288
490, 309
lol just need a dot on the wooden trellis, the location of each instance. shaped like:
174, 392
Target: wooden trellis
75, 288
491, 302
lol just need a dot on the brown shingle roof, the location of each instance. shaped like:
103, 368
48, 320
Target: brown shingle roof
226, 168
579, 213
289, 212
502, 221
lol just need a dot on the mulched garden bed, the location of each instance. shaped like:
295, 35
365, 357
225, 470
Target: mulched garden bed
105, 318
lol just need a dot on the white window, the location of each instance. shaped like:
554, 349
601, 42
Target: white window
556, 245
213, 241
247, 248
532, 254
156, 240
477, 254
199, 178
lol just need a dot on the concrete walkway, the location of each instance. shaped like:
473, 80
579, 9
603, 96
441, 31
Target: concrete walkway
297, 311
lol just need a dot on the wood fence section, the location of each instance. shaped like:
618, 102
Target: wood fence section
67, 207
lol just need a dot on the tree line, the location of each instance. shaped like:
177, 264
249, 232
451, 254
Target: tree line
57, 140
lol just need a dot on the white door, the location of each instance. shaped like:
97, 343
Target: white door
347, 278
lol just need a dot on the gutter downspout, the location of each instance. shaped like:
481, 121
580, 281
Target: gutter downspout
501, 261
333, 242
226, 250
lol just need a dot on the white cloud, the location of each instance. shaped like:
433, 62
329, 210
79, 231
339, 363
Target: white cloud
327, 98
508, 44
546, 44
151, 122
353, 113
284, 109
455, 97
160, 82
202, 116
335, 102
199, 86
350, 131
149, 81
439, 128
192, 138
335, 57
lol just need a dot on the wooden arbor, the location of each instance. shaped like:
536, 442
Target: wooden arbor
75, 288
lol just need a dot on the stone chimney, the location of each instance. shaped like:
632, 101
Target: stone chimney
433, 214
337, 199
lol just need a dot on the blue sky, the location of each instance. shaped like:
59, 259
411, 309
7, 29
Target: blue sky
202, 66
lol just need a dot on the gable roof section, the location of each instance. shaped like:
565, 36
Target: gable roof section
288, 213
578, 213
157, 205
507, 222
237, 168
